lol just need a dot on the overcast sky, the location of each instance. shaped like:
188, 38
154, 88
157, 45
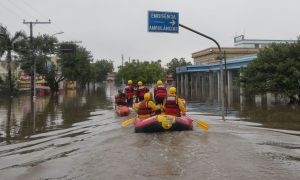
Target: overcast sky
110, 28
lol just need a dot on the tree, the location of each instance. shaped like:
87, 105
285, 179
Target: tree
10, 45
147, 72
43, 47
53, 76
176, 63
100, 69
276, 70
76, 66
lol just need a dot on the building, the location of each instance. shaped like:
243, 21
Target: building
111, 77
202, 81
210, 55
241, 42
3, 70
15, 69
242, 47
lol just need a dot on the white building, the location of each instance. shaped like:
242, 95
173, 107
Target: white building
241, 42
3, 70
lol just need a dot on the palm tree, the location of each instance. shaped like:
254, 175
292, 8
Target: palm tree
9, 45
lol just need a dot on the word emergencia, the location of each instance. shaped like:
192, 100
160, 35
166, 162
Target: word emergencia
163, 21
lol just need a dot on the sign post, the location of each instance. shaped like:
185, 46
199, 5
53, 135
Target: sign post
168, 22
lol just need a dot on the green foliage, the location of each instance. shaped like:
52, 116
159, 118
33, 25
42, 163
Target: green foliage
100, 69
43, 46
276, 70
53, 76
11, 46
176, 63
147, 72
76, 67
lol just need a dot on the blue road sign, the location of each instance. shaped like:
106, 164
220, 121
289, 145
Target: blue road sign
163, 21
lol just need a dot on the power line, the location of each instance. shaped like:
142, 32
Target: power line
37, 11
20, 9
11, 11
24, 2
28, 12
56, 25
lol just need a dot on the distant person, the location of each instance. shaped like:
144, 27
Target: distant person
160, 92
129, 93
141, 90
120, 99
174, 105
146, 107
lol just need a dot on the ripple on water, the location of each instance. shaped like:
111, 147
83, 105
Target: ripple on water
281, 144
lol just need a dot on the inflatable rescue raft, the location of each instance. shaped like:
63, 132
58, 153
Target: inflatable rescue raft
162, 122
122, 110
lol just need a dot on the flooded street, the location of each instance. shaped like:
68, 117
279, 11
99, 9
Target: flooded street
78, 136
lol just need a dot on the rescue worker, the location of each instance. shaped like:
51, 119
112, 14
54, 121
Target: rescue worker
173, 105
120, 99
129, 93
141, 90
160, 92
146, 108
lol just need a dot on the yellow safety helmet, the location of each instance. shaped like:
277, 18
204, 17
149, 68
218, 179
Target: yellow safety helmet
140, 83
129, 82
172, 90
159, 82
147, 96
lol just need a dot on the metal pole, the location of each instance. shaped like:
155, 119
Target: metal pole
221, 65
123, 85
226, 84
33, 85
34, 62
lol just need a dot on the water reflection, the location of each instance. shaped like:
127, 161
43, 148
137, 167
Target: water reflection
279, 116
270, 116
20, 117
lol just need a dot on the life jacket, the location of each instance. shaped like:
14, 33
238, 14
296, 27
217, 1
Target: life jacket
171, 106
160, 91
141, 91
129, 92
144, 109
120, 99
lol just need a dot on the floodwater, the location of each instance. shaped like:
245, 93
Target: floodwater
77, 135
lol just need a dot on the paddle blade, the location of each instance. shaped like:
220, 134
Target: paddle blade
127, 122
202, 125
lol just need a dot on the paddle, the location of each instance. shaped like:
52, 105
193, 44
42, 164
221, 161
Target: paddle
201, 124
127, 122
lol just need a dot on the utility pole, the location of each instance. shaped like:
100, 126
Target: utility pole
33, 75
123, 85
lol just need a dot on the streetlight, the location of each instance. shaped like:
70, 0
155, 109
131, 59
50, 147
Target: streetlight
57, 33
221, 65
